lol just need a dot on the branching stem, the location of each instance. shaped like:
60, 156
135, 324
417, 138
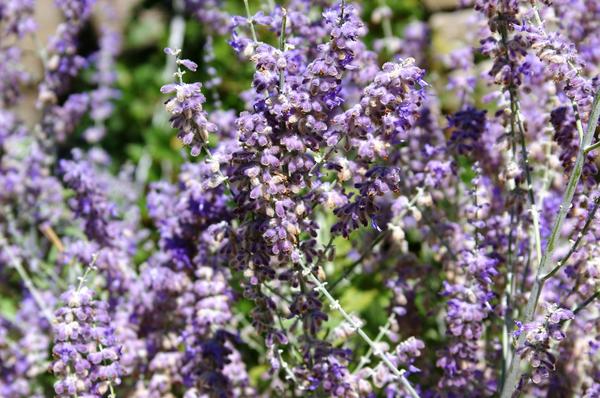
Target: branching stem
365, 359
334, 304
580, 235
515, 369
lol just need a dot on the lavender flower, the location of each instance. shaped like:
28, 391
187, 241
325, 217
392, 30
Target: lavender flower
105, 77
210, 13
90, 201
187, 114
85, 350
331, 179
63, 61
63, 120
538, 340
388, 108
17, 17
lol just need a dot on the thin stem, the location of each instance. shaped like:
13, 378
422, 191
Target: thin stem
334, 304
112, 391
578, 124
580, 235
289, 375
42, 51
211, 159
365, 359
282, 47
16, 264
508, 294
142, 171
275, 292
546, 180
250, 20
515, 370
51, 235
15, 235
590, 148
386, 25
374, 243
516, 113
326, 157
176, 35
91, 267
517, 120
587, 301
323, 255
357, 262
387, 28
525, 272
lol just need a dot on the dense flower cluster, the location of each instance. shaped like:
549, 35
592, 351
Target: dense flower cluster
86, 352
360, 216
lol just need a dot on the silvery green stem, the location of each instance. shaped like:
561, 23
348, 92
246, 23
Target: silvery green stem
335, 304
16, 264
509, 292
516, 119
41, 49
592, 147
586, 302
142, 171
91, 267
365, 359
282, 47
576, 243
386, 25
516, 114
249, 15
515, 369
289, 375
176, 35
175, 41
